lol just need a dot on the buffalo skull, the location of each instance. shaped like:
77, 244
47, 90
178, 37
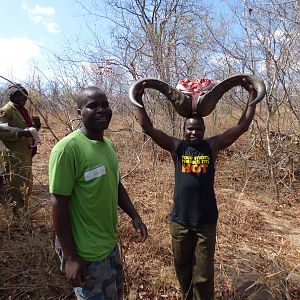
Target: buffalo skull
185, 104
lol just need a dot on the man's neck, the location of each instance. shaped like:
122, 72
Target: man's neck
97, 136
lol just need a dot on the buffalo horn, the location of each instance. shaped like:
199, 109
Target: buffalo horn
206, 102
181, 102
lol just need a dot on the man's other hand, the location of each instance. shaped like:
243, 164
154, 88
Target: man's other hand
36, 122
25, 133
141, 228
76, 272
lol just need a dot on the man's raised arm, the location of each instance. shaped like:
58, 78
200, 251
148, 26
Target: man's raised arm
228, 137
163, 140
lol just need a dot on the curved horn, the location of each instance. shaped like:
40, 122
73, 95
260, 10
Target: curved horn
208, 101
181, 102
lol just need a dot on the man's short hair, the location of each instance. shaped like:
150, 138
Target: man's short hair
86, 90
193, 116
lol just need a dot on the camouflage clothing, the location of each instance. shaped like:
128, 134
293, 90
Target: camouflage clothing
17, 157
106, 281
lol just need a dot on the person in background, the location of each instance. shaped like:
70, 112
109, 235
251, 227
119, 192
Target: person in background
194, 215
86, 190
19, 147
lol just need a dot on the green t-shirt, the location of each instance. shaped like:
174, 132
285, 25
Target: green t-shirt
87, 170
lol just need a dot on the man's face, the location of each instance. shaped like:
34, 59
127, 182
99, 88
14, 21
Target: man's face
194, 131
19, 99
95, 111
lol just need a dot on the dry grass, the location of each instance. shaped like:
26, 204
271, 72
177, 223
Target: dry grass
257, 254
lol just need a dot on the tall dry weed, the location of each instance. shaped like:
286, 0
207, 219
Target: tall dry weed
254, 258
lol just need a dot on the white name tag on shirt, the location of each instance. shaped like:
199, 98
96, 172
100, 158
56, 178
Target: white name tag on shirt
94, 173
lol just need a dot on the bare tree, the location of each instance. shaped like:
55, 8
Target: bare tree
267, 44
165, 39
173, 39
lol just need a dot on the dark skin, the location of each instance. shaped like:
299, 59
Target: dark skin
96, 114
194, 129
20, 99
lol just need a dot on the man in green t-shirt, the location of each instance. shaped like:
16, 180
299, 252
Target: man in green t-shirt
85, 189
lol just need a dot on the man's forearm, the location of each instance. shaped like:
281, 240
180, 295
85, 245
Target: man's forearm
249, 113
125, 204
247, 117
144, 119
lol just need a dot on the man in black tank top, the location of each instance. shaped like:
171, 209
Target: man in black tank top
194, 215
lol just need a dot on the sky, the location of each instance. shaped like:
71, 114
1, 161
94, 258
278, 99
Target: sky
29, 29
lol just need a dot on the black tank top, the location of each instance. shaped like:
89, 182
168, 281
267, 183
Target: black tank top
194, 196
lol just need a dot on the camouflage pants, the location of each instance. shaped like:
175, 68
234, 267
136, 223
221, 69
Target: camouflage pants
19, 175
106, 280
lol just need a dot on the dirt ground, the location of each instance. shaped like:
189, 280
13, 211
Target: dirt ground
258, 244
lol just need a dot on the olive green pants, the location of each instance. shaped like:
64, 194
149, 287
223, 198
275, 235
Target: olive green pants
19, 175
193, 251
